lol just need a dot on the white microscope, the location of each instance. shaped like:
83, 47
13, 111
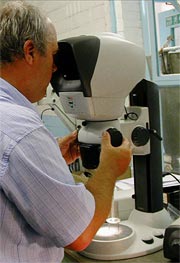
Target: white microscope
95, 75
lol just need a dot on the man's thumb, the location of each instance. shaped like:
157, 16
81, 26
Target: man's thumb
106, 140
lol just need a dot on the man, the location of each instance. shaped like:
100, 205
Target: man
42, 209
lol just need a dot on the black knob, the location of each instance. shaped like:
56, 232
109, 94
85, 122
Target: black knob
116, 137
140, 136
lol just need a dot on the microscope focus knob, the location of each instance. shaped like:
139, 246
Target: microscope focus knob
116, 136
140, 136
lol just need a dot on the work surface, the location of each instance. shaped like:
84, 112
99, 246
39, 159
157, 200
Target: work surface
71, 256
157, 257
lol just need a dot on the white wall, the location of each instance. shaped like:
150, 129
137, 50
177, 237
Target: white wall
73, 17
132, 21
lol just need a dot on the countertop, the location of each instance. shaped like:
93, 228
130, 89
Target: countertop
153, 258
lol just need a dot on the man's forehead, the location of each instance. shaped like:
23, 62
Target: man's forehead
52, 35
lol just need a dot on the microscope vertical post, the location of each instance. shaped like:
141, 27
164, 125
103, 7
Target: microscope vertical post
148, 168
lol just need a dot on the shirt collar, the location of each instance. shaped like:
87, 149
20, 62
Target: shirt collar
10, 94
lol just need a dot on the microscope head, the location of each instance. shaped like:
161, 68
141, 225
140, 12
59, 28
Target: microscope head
95, 75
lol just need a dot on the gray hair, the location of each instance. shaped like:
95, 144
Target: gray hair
19, 22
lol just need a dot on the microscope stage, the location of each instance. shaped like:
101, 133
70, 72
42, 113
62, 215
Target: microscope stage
131, 238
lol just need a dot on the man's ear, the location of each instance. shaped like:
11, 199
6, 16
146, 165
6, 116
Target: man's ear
29, 51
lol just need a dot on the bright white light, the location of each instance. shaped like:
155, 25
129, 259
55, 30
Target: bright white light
113, 220
109, 230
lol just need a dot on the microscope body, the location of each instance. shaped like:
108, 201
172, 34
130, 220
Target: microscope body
95, 75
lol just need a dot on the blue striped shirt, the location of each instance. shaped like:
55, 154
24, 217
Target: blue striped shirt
42, 210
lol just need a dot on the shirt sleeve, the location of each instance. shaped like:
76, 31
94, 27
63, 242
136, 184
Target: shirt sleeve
42, 188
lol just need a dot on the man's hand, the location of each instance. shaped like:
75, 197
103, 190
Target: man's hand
69, 147
114, 159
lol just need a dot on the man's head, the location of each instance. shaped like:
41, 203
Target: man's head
27, 44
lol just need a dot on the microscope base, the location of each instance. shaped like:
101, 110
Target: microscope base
142, 240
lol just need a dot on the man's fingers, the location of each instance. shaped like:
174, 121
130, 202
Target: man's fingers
68, 138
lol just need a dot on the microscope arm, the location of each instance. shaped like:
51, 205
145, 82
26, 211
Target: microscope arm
148, 168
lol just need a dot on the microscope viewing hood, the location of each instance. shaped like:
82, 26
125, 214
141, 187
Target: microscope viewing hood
95, 74
74, 73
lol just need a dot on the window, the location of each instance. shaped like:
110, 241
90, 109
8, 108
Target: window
167, 22
161, 26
